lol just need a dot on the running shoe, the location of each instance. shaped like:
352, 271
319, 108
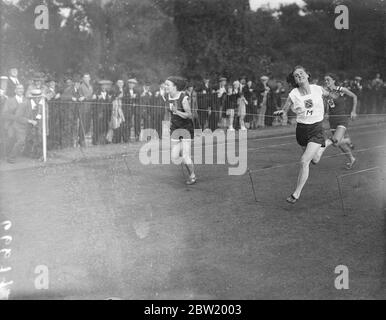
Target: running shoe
291, 199
191, 181
350, 165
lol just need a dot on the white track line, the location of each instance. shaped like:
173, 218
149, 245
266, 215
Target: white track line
360, 171
326, 157
294, 142
263, 139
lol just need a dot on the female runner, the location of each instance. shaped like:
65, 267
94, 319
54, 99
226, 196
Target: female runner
181, 124
306, 100
339, 119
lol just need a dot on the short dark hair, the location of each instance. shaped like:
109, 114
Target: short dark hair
291, 78
179, 82
333, 76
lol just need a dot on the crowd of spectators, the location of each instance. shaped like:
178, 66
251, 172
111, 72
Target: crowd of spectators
83, 111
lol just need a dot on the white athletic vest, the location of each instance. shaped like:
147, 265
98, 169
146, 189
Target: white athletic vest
309, 109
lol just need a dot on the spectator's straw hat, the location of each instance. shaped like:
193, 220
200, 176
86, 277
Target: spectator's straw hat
134, 81
222, 79
105, 82
36, 93
264, 78
358, 78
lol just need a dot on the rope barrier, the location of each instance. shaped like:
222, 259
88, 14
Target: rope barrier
156, 106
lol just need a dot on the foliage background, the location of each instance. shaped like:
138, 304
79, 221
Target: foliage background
151, 39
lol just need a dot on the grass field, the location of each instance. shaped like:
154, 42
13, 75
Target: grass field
106, 228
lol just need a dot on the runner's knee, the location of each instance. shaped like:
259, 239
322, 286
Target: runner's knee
305, 160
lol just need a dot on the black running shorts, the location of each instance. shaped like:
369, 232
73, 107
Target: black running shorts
306, 133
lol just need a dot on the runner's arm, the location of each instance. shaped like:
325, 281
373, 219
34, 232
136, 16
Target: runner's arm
187, 114
288, 104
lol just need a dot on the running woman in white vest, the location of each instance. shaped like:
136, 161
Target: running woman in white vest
181, 124
306, 100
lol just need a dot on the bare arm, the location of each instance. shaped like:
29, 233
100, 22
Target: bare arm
187, 114
287, 105
355, 102
325, 93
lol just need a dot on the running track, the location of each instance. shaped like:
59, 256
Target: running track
106, 231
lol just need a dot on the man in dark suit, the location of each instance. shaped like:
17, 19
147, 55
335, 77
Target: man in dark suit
206, 87
117, 120
131, 109
34, 140
17, 117
3, 98
87, 96
101, 112
148, 111
13, 81
70, 97
205, 101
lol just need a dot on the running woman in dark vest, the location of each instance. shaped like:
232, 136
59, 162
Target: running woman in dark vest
339, 117
181, 124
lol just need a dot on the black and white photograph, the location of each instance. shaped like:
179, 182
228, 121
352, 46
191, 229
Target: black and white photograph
192, 150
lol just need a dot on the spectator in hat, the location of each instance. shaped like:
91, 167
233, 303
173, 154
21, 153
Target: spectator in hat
279, 95
377, 86
87, 96
357, 89
233, 102
147, 108
70, 113
163, 117
34, 142
271, 103
54, 112
243, 82
216, 110
37, 84
50, 90
263, 91
17, 116
205, 87
13, 81
192, 97
250, 95
68, 89
101, 112
115, 132
205, 101
132, 111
